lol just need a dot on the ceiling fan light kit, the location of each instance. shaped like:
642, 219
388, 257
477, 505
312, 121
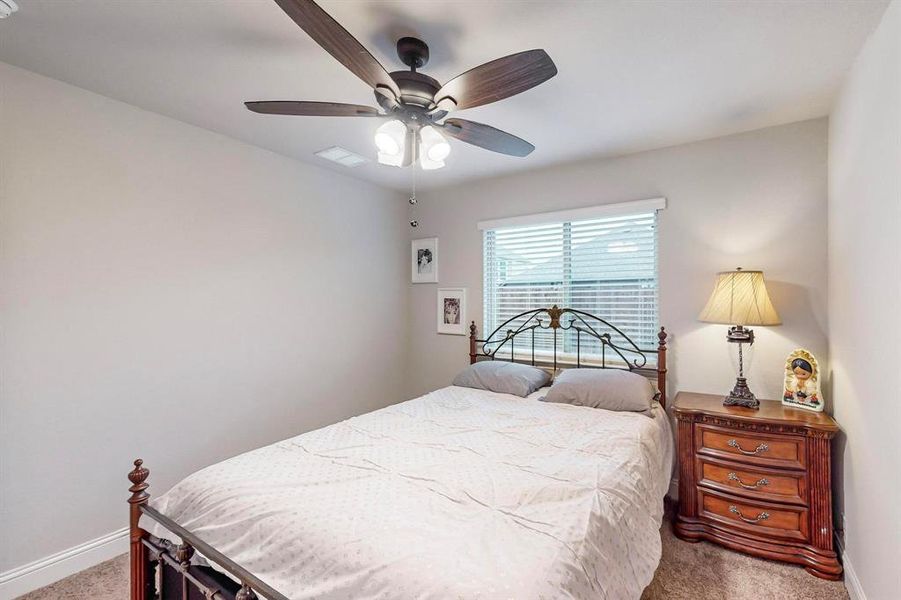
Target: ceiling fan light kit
415, 104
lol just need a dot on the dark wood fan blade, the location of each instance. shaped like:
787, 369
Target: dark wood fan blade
487, 137
497, 80
329, 34
311, 109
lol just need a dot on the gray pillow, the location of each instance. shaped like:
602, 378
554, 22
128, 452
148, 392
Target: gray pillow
611, 389
502, 377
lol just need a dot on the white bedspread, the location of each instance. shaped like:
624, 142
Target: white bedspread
460, 493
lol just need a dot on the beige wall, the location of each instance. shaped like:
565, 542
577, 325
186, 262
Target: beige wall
755, 200
864, 297
170, 293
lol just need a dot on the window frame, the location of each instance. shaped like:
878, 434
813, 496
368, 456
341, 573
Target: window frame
566, 352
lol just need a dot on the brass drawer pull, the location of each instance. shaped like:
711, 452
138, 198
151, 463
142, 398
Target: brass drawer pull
760, 483
761, 517
758, 450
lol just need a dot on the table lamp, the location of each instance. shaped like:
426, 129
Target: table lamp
740, 298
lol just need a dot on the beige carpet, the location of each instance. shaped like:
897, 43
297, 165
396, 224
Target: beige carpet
687, 572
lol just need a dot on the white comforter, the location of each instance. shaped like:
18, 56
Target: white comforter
460, 493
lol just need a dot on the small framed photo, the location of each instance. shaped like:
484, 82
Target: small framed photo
424, 260
452, 311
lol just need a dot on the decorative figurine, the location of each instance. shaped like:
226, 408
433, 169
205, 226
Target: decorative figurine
802, 381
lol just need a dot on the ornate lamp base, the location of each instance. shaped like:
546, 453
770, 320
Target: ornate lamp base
741, 395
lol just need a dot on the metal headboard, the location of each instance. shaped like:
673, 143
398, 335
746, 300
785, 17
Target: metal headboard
618, 350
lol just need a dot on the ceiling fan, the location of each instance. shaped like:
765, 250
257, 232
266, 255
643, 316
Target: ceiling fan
413, 102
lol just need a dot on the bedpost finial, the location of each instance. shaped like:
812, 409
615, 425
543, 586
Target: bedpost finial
472, 328
661, 337
138, 478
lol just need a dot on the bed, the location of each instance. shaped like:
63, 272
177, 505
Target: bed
460, 493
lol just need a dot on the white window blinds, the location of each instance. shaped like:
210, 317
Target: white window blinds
605, 266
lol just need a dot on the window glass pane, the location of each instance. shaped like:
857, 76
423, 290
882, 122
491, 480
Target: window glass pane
524, 272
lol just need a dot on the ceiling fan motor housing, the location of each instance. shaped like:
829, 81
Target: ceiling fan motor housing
416, 89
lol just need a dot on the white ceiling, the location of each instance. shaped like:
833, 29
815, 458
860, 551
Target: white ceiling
632, 75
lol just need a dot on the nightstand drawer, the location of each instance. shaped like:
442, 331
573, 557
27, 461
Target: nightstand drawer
751, 482
752, 448
761, 518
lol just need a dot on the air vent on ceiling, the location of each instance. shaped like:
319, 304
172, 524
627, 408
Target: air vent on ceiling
7, 7
339, 155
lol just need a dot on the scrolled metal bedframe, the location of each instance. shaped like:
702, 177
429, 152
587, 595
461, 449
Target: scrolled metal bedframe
612, 341
163, 570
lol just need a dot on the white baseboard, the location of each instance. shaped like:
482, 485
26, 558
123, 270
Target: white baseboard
852, 583
45, 571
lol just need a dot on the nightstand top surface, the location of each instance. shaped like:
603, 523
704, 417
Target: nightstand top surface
770, 410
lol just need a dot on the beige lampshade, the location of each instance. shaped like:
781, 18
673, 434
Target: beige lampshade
740, 298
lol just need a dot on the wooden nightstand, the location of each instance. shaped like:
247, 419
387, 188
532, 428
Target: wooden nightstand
757, 481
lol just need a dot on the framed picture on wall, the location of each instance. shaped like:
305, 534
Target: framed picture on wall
424, 260
452, 311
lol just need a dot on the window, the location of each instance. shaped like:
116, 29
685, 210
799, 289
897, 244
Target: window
602, 261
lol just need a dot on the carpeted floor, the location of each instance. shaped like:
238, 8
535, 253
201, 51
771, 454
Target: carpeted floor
699, 571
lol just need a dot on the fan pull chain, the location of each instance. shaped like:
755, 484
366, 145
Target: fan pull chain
413, 222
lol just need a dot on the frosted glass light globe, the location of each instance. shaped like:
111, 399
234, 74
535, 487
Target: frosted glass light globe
389, 139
